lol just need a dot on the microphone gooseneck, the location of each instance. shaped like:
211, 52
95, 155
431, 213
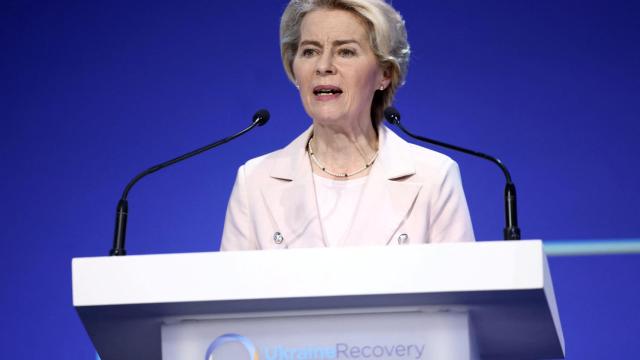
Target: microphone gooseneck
511, 230
259, 118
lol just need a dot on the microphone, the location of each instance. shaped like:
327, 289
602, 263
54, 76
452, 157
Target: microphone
511, 230
259, 118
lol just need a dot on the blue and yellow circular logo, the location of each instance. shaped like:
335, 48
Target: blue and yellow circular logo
227, 338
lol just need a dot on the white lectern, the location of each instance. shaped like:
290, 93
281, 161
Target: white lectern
484, 300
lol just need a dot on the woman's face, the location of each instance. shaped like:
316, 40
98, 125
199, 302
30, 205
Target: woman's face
336, 69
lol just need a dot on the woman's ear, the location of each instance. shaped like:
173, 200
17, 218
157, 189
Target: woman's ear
386, 75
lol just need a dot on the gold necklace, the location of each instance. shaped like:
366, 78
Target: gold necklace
343, 175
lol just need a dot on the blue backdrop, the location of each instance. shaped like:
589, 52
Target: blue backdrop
93, 92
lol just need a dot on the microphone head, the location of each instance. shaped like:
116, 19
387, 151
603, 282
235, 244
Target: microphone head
261, 117
392, 115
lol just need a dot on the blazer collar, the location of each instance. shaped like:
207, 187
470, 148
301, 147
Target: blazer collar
292, 162
394, 157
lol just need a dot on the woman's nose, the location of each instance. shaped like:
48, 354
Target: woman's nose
325, 64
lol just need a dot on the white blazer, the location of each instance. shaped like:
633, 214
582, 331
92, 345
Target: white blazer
412, 195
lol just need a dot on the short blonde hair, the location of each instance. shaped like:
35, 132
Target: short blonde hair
387, 37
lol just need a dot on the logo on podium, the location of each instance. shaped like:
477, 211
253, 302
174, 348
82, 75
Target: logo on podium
232, 338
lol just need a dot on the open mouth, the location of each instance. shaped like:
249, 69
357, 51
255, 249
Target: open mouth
326, 90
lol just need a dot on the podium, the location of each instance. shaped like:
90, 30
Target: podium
483, 300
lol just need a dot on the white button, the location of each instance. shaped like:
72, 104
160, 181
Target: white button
403, 239
278, 238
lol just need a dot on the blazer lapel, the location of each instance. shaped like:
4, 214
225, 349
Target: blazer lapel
290, 196
387, 197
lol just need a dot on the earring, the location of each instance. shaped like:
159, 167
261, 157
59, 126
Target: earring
381, 87
297, 86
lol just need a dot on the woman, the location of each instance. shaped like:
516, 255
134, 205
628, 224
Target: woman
347, 180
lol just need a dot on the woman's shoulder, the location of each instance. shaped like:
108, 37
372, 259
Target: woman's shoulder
425, 160
285, 157
260, 165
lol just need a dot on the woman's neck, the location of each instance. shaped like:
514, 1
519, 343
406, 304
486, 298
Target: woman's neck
343, 150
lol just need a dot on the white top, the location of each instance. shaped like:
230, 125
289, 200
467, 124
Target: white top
337, 204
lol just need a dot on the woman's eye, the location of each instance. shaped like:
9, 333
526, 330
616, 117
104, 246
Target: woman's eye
346, 52
307, 52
